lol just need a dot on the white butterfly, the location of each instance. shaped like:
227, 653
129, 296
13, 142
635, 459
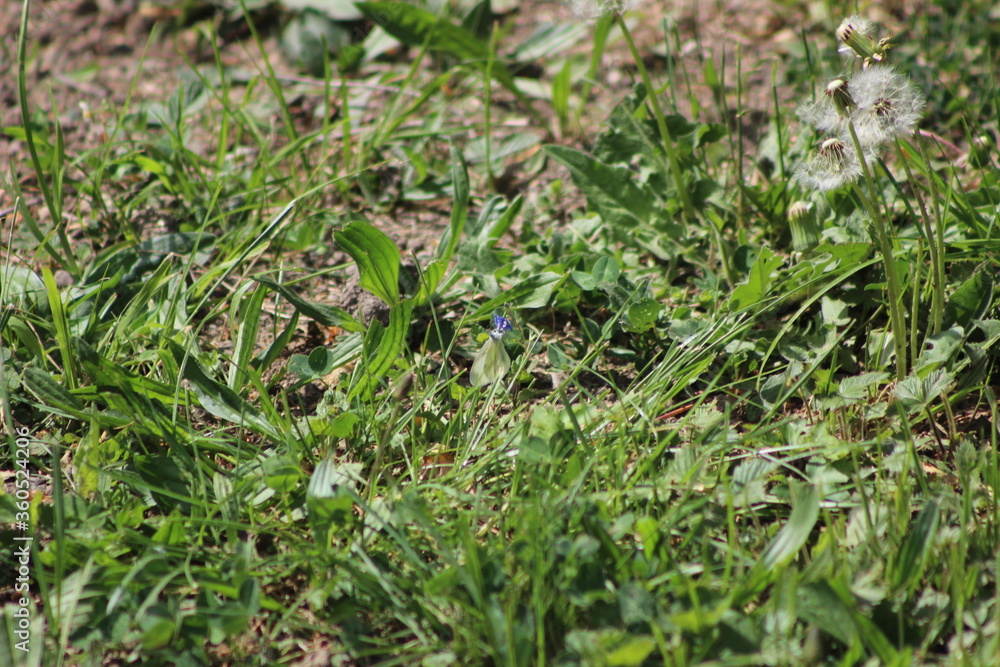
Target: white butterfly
492, 361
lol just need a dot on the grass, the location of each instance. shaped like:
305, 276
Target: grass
250, 438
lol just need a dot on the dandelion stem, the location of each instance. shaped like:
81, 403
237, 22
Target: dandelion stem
661, 123
896, 317
935, 242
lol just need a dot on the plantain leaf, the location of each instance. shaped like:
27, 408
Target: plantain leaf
377, 258
325, 315
383, 346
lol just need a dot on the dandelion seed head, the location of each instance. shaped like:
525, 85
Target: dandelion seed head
889, 105
881, 103
833, 165
592, 9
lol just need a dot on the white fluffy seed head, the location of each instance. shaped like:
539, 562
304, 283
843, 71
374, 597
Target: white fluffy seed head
833, 165
882, 104
592, 9
889, 105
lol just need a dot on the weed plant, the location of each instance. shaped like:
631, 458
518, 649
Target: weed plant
646, 393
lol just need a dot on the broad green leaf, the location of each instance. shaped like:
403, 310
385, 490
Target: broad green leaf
309, 36
158, 634
610, 191
415, 27
818, 603
23, 288
341, 10
750, 292
382, 347
791, 537
971, 300
171, 532
632, 653
550, 38
642, 315
479, 20
329, 497
325, 315
509, 147
939, 350
112, 379
280, 473
216, 398
912, 559
318, 363
585, 281
166, 481
134, 260
606, 271
869, 633
377, 258
430, 279
52, 393
629, 133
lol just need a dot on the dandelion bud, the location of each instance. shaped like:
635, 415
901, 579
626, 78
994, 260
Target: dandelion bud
981, 151
855, 33
802, 225
403, 387
839, 93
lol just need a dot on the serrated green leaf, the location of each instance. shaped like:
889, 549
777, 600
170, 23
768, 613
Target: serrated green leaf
917, 393
750, 292
855, 387
610, 191
971, 300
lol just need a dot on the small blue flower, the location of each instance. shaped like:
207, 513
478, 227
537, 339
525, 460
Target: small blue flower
501, 325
